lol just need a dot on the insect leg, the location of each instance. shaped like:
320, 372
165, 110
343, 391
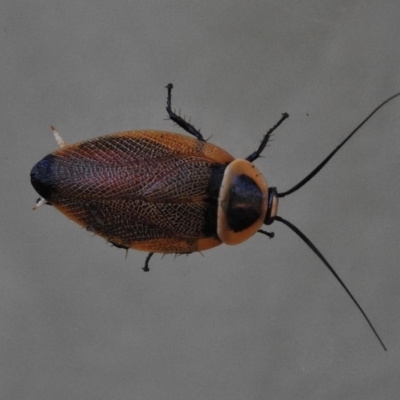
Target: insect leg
266, 137
58, 138
146, 263
269, 234
39, 202
179, 120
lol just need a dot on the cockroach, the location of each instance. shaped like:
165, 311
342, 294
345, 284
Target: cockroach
165, 192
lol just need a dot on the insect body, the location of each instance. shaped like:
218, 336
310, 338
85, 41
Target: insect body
165, 192
155, 191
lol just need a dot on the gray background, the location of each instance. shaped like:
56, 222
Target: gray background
261, 320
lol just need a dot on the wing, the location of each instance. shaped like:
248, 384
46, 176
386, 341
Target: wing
153, 191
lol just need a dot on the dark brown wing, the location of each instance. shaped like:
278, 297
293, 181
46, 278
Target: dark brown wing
154, 191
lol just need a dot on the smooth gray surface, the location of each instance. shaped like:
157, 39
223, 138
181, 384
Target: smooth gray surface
261, 320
